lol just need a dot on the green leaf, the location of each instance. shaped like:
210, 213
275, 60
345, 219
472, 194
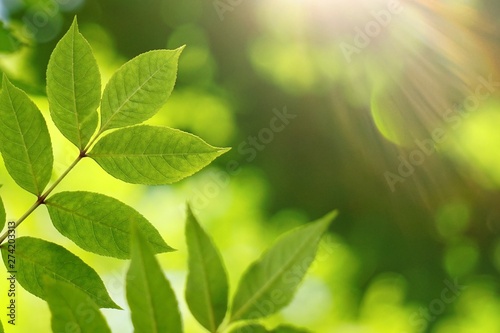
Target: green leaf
24, 140
100, 224
251, 328
207, 286
139, 88
153, 155
151, 299
74, 87
3, 216
36, 258
72, 309
270, 283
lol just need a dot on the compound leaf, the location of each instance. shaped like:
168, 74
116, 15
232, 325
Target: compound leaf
100, 224
139, 88
270, 283
207, 286
74, 87
36, 258
72, 309
150, 297
153, 155
24, 140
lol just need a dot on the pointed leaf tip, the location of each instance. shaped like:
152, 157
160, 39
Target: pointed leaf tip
74, 87
181, 48
207, 283
152, 301
139, 89
153, 155
282, 268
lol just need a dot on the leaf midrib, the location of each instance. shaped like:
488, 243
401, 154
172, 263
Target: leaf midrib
99, 222
92, 222
150, 155
74, 87
74, 212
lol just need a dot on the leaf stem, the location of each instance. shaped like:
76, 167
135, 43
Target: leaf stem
42, 197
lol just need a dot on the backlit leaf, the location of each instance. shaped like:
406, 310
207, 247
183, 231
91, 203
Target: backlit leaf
72, 309
270, 283
74, 87
100, 224
151, 299
24, 140
206, 286
36, 258
139, 88
153, 155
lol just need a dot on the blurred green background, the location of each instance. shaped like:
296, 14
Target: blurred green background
387, 111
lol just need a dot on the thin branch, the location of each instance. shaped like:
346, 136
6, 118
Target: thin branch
41, 198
